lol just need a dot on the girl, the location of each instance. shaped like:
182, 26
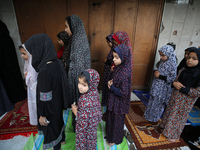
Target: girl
119, 95
183, 61
161, 88
185, 93
121, 37
62, 40
107, 70
88, 112
31, 82
51, 90
65, 41
79, 57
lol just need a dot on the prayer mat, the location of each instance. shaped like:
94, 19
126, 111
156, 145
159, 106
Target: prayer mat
194, 116
36, 142
16, 122
146, 135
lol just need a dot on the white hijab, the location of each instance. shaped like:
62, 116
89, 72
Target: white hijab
31, 77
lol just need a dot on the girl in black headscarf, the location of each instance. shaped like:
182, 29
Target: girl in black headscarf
51, 89
79, 58
185, 93
62, 40
183, 61
64, 53
9, 69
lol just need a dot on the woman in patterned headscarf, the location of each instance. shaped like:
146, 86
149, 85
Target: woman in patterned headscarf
79, 57
51, 89
161, 88
107, 71
119, 95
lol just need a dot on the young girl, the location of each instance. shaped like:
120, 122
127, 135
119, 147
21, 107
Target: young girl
119, 95
62, 40
161, 88
107, 71
31, 82
51, 91
88, 112
185, 93
79, 58
121, 37
183, 61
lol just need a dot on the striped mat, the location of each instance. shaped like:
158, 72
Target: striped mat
36, 142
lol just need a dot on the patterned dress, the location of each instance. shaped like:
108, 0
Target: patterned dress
161, 89
89, 115
182, 100
119, 97
79, 54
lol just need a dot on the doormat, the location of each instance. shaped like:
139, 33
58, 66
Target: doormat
16, 122
146, 135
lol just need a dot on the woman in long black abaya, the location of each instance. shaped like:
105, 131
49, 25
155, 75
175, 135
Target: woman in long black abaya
9, 69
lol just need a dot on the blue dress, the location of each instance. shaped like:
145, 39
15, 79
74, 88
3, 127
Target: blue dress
161, 88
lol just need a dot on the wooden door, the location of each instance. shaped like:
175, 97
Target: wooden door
139, 18
145, 43
100, 25
46, 16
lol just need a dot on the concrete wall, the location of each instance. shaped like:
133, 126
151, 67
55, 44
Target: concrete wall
7, 15
184, 20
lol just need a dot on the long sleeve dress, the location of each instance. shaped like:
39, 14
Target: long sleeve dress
49, 103
178, 110
182, 100
161, 88
89, 115
119, 97
52, 88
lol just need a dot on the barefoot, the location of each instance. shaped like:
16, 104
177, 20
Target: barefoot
63, 143
172, 140
111, 144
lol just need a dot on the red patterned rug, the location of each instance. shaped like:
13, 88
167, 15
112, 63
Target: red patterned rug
16, 122
147, 136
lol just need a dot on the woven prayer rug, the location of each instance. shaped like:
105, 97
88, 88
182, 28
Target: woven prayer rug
146, 135
194, 116
16, 122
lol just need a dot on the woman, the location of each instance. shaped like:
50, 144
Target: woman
9, 69
79, 58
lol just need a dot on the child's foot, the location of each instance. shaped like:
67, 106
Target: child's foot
172, 140
63, 143
111, 144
